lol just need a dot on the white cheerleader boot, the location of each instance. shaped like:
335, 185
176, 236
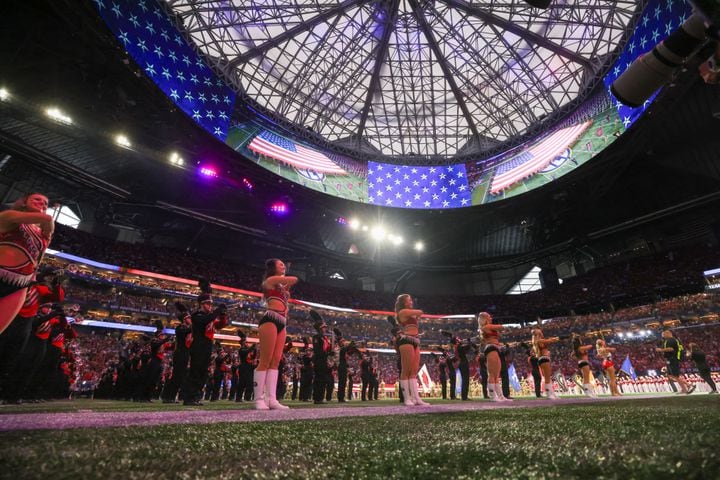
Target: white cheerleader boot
271, 391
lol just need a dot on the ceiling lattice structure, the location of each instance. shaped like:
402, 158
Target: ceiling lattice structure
410, 77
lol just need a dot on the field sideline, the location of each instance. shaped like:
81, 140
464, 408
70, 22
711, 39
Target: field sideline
660, 437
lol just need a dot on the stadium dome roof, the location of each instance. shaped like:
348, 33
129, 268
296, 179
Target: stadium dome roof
434, 78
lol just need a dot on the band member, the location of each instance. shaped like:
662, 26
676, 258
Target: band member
605, 352
409, 346
672, 350
452, 364
541, 350
698, 356
365, 373
482, 372
272, 333
219, 373
581, 354
441, 363
322, 348
27, 365
490, 333
534, 368
306, 373
25, 233
181, 355
346, 348
152, 368
47, 288
204, 323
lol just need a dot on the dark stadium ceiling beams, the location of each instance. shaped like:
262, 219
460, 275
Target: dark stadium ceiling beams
413, 78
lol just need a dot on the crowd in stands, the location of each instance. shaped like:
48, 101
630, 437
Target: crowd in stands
643, 280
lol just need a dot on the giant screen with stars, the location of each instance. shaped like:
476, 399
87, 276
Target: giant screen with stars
144, 30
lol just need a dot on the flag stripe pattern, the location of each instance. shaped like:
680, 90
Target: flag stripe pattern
283, 150
537, 158
156, 46
406, 186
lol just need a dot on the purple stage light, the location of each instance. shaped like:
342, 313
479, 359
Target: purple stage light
341, 220
208, 172
280, 208
248, 184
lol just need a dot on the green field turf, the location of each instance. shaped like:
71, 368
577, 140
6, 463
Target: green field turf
670, 437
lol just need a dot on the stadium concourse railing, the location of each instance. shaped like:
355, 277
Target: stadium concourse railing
85, 262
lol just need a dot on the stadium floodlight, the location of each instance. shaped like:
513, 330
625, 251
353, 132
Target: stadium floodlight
396, 240
419, 246
378, 233
364, 228
176, 159
58, 115
123, 141
354, 223
4, 94
621, 334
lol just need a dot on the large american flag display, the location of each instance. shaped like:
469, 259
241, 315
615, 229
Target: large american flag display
658, 20
157, 47
535, 159
283, 150
418, 187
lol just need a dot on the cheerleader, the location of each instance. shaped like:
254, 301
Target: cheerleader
581, 354
25, 233
409, 346
271, 332
541, 350
490, 333
605, 352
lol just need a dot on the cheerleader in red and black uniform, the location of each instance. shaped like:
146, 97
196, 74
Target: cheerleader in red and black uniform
272, 333
540, 346
581, 354
491, 349
409, 347
605, 352
25, 233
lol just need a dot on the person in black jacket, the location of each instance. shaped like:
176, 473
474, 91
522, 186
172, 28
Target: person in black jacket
482, 371
181, 355
365, 374
441, 364
462, 348
152, 368
246, 366
346, 348
204, 323
219, 373
672, 350
451, 362
321, 371
20, 380
534, 369
306, 376
698, 356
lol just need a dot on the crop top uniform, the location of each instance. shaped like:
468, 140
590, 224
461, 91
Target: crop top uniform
276, 317
29, 240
